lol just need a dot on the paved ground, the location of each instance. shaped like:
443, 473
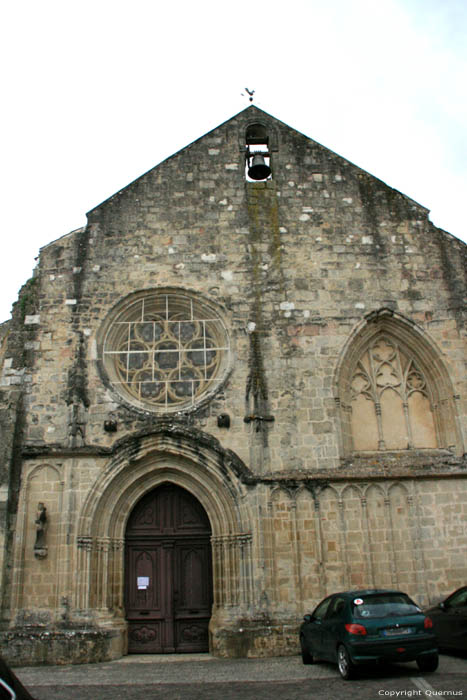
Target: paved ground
203, 677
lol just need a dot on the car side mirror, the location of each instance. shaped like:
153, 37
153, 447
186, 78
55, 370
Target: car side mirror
308, 618
442, 606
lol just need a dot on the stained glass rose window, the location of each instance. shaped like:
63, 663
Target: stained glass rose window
165, 350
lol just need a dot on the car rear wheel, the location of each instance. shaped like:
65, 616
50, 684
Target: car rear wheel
344, 664
307, 657
428, 663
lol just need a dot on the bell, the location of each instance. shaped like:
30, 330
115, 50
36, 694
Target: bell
258, 169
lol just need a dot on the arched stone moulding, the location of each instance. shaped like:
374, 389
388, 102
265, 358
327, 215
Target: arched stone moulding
418, 344
208, 475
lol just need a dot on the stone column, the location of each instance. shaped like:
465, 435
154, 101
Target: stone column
102, 574
83, 582
296, 558
319, 546
231, 569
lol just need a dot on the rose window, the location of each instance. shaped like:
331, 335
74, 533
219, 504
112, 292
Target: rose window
164, 351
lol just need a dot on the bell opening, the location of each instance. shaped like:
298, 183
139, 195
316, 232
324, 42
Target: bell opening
258, 158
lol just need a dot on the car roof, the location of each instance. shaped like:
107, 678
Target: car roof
458, 590
368, 591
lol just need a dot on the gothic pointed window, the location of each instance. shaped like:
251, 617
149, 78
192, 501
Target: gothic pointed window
391, 402
394, 390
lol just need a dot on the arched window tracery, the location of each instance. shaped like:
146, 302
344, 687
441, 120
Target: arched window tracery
394, 390
164, 350
400, 414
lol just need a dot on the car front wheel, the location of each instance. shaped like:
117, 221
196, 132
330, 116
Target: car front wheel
344, 664
428, 663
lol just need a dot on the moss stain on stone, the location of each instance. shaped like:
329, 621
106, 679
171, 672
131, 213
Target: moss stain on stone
28, 301
263, 219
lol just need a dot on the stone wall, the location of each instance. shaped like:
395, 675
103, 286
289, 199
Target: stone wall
307, 272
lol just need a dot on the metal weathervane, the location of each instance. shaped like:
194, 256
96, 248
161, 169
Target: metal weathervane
250, 94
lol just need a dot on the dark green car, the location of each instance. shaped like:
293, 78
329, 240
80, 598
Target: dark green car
362, 627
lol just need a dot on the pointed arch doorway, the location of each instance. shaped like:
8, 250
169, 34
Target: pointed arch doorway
168, 573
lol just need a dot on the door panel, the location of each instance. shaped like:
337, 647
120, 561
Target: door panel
146, 597
145, 593
192, 561
168, 574
193, 595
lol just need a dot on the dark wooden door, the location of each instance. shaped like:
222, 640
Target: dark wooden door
168, 573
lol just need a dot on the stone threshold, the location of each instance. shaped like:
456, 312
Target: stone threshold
163, 658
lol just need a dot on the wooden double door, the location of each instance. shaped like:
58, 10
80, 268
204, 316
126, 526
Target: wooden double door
168, 573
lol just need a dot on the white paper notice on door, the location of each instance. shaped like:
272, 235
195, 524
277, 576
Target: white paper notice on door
143, 583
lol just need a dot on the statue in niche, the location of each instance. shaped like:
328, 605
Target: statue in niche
40, 548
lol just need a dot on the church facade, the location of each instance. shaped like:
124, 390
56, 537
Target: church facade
239, 388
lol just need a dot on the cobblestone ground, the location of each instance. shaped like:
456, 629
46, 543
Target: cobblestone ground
201, 677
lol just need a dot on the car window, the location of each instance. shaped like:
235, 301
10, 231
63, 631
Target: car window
336, 608
458, 600
384, 605
322, 609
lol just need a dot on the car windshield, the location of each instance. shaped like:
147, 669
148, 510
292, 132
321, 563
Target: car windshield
384, 605
458, 599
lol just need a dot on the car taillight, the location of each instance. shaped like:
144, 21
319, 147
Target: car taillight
355, 629
428, 623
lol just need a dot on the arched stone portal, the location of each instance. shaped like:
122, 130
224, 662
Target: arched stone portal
168, 573
211, 477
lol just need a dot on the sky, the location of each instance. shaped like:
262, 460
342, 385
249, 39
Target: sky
95, 93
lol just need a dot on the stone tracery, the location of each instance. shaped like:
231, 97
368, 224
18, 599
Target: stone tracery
165, 350
391, 380
393, 389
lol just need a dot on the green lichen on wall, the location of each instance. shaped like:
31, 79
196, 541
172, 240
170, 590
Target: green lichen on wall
263, 219
20, 334
28, 301
263, 216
